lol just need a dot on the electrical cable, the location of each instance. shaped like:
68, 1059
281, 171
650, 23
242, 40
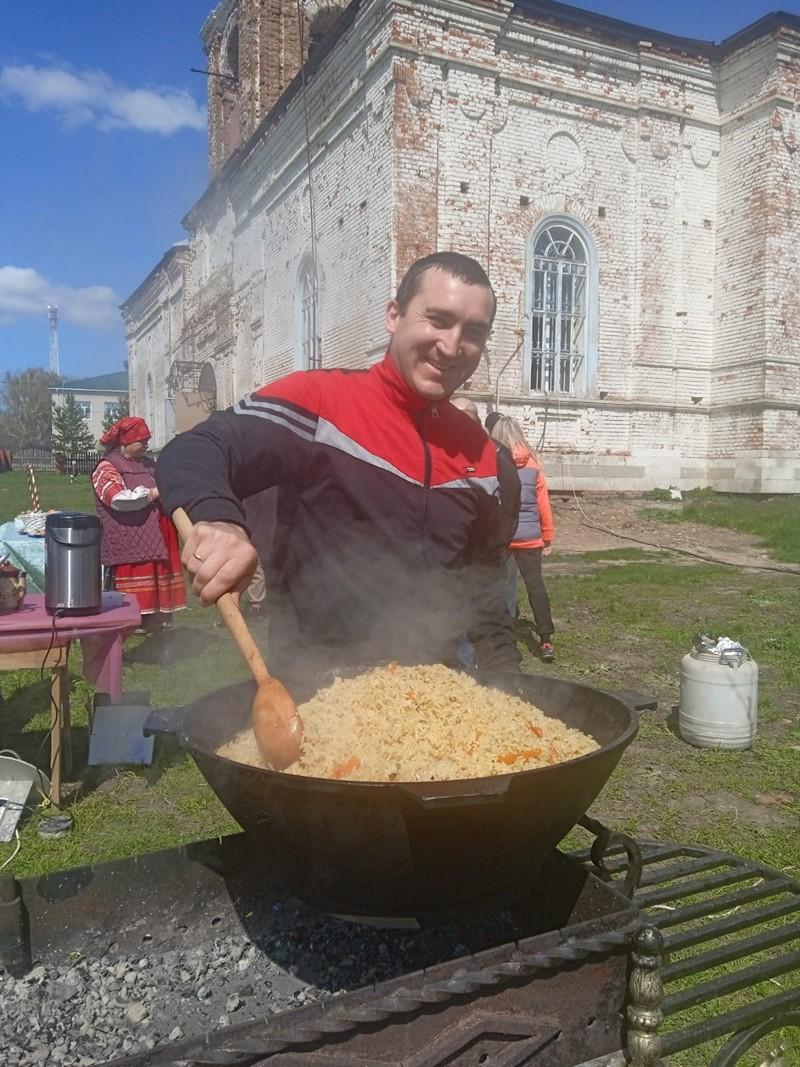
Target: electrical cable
317, 353
786, 569
55, 710
16, 756
502, 371
543, 434
14, 854
705, 558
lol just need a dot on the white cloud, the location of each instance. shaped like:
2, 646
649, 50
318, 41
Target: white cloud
24, 292
92, 97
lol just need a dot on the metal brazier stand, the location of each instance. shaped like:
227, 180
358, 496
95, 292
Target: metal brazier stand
588, 973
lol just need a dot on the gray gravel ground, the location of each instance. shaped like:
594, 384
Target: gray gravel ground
80, 1012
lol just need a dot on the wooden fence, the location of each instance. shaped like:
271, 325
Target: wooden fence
43, 459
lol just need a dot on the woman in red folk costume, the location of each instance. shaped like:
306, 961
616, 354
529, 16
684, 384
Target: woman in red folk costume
140, 546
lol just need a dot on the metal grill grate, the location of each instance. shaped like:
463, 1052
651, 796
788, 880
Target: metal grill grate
729, 925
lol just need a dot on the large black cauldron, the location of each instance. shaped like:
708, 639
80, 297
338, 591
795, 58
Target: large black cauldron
424, 850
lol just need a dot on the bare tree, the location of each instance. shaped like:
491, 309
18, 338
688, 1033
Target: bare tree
25, 408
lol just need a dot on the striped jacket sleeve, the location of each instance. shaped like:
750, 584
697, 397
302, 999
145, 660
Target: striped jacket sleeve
264, 440
107, 482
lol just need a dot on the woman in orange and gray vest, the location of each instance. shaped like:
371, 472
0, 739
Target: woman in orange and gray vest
534, 532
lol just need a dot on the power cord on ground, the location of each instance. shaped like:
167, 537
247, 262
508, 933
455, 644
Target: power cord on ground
781, 568
787, 568
13, 855
55, 710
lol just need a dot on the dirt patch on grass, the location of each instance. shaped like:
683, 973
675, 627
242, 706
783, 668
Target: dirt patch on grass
688, 818
628, 515
764, 815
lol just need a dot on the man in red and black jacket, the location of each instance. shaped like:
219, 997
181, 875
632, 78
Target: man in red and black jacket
390, 541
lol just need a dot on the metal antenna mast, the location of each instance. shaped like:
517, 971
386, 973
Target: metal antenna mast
52, 316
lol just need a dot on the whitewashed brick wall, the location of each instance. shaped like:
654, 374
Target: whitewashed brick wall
463, 126
154, 320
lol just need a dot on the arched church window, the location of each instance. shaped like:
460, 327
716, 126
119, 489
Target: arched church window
307, 327
562, 293
229, 88
232, 53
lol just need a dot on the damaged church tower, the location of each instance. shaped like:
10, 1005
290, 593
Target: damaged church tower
254, 49
634, 195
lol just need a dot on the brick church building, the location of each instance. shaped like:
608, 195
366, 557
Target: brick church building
635, 197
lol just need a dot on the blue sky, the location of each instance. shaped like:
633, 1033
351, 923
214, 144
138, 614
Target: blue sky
103, 150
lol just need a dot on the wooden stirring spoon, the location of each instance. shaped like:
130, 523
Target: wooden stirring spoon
276, 724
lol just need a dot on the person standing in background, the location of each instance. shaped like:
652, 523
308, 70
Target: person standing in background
534, 534
491, 420
509, 509
140, 551
509, 479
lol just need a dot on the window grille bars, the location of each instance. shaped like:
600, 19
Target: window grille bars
558, 310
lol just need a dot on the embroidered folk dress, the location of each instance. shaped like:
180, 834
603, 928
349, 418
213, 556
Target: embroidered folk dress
140, 544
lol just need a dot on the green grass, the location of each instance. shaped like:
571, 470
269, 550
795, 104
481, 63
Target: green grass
620, 626
611, 555
776, 520
120, 813
628, 626
55, 491
674, 515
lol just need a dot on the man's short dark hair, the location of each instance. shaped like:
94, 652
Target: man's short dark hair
490, 420
456, 264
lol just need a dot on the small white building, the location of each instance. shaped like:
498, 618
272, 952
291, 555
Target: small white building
634, 195
97, 397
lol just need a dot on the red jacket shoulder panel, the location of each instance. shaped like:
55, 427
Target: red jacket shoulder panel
370, 411
301, 389
463, 450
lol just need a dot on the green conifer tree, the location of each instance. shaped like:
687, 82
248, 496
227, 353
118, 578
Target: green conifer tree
123, 409
70, 432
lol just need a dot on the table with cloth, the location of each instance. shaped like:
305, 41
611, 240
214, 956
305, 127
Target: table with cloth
31, 638
25, 552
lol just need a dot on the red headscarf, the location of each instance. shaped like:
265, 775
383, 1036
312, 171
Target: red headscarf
126, 432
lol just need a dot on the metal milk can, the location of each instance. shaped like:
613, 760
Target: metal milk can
719, 695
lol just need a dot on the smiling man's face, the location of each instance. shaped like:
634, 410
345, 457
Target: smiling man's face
437, 342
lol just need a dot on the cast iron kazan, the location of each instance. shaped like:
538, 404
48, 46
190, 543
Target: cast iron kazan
421, 850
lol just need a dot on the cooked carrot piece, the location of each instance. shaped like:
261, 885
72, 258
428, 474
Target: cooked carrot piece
343, 769
537, 730
510, 758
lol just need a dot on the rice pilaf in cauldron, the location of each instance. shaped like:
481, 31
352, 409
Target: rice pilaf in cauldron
419, 724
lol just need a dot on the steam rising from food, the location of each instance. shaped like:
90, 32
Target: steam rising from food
418, 724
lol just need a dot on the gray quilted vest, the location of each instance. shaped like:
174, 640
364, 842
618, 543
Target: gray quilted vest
529, 527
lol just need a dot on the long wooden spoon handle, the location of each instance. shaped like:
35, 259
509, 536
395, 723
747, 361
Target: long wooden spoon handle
228, 608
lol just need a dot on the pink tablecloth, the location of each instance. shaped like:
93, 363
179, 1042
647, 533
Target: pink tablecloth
30, 629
